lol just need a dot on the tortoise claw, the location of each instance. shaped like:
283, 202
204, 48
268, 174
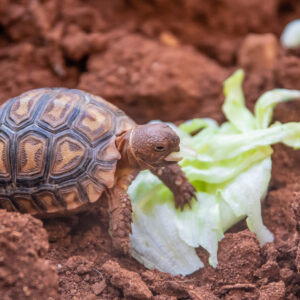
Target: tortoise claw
187, 193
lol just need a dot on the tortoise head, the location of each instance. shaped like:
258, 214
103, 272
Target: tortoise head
154, 145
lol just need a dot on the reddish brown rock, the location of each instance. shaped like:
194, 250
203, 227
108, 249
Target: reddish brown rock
131, 283
78, 44
259, 53
202, 293
288, 72
272, 291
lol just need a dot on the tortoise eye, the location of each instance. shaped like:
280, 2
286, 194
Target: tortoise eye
159, 148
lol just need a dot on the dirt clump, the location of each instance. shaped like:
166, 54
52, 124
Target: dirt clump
274, 290
241, 255
24, 271
153, 73
130, 283
287, 73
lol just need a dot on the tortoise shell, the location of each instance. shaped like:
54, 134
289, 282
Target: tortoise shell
57, 150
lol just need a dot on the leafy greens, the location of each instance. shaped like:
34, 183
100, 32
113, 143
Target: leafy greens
230, 168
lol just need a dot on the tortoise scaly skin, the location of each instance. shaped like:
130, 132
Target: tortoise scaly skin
61, 151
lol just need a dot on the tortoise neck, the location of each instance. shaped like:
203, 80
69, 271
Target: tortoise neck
128, 156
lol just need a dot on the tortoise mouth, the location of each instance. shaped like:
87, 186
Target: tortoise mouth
173, 157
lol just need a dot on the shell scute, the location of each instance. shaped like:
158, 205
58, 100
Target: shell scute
31, 153
4, 158
109, 151
104, 174
48, 201
124, 123
5, 203
94, 122
105, 103
68, 155
23, 106
93, 190
59, 109
25, 204
70, 197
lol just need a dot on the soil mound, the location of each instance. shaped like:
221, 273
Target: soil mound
24, 271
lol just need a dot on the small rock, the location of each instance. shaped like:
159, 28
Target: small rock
288, 72
76, 45
270, 252
268, 270
97, 42
76, 278
79, 265
202, 293
130, 282
98, 287
258, 52
73, 291
272, 291
168, 39
286, 274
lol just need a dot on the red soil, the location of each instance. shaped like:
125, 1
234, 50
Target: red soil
156, 60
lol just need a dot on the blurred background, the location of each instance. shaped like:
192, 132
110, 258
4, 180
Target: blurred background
155, 59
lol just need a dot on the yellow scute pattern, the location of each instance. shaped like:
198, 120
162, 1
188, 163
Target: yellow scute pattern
93, 122
31, 155
68, 154
58, 109
23, 107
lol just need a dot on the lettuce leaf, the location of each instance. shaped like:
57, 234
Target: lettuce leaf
229, 166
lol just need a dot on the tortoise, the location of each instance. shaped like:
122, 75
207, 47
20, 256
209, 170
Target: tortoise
64, 150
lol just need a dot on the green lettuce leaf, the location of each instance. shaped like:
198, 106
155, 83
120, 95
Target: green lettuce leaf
229, 166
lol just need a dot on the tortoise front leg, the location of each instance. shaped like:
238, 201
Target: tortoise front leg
120, 219
174, 178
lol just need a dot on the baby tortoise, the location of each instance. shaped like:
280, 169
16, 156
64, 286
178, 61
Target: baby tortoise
62, 150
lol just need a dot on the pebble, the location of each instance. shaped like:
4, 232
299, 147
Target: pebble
98, 287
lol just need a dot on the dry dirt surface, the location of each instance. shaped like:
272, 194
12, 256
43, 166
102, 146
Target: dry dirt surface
156, 59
